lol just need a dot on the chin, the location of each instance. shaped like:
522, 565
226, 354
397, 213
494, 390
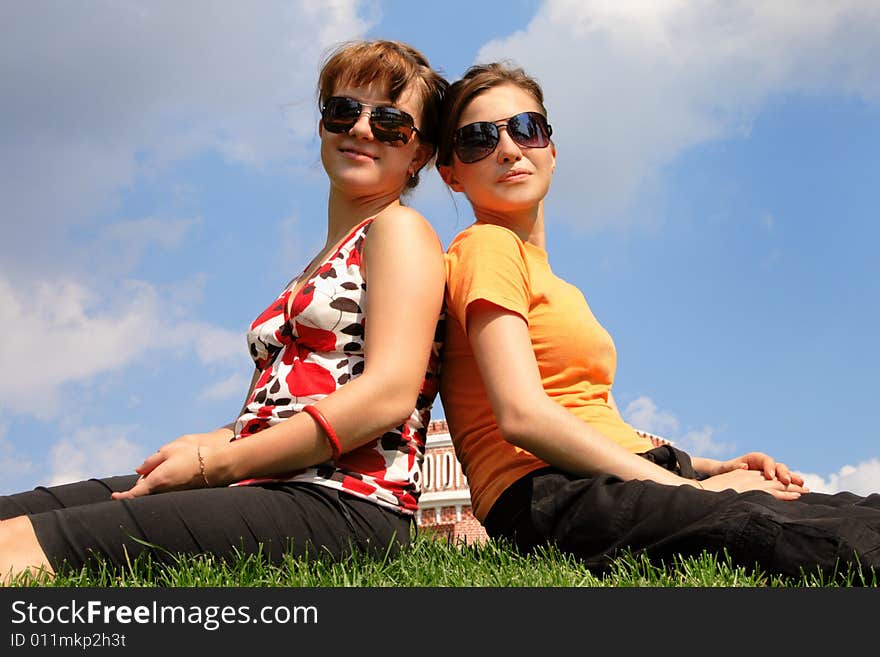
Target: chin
362, 185
518, 200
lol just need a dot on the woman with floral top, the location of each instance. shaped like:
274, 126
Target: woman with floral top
324, 457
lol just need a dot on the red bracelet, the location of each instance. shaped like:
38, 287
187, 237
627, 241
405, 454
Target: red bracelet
332, 438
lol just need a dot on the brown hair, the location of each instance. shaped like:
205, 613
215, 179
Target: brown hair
477, 79
397, 66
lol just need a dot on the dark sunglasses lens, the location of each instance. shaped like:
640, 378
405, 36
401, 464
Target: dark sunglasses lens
391, 125
475, 141
529, 129
340, 114
388, 124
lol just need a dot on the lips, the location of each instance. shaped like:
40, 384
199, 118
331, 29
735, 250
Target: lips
357, 152
514, 174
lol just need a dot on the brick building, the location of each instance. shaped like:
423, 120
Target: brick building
445, 504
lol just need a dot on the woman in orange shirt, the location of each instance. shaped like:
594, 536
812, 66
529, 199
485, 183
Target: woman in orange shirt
527, 386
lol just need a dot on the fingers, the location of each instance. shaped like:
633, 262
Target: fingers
786, 476
782, 473
789, 478
796, 479
754, 479
769, 466
150, 463
789, 491
797, 487
141, 487
733, 464
785, 494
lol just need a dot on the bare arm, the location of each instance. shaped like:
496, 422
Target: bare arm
528, 418
766, 464
404, 297
406, 279
758, 461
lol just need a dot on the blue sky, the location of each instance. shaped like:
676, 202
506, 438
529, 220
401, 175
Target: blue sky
716, 199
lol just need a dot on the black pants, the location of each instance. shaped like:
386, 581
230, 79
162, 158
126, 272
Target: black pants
76, 522
595, 518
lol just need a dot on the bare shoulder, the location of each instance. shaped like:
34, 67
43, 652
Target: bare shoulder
403, 223
401, 239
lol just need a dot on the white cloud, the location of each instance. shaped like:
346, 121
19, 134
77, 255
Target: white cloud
55, 336
64, 333
168, 233
631, 85
94, 452
862, 479
95, 97
214, 345
189, 292
700, 442
233, 387
122, 244
643, 413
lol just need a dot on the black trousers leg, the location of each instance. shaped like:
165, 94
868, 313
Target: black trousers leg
75, 523
596, 518
47, 498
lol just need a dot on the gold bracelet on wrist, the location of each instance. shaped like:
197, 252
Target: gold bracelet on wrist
202, 466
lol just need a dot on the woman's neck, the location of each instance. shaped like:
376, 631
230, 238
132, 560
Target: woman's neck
527, 224
345, 212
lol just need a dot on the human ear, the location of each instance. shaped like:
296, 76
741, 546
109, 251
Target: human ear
553, 155
421, 156
449, 178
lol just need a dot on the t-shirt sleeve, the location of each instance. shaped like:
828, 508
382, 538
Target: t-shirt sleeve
487, 263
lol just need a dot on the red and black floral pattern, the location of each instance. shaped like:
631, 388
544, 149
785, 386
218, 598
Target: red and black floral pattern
307, 347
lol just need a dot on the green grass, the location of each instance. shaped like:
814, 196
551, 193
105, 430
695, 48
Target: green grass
432, 562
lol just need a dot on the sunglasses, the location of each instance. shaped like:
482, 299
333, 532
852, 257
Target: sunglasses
477, 141
388, 124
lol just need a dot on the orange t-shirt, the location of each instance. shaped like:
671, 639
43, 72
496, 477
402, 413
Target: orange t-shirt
575, 355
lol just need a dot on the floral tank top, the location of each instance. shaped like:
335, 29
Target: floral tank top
306, 349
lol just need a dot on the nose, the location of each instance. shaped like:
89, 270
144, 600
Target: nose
361, 128
507, 149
